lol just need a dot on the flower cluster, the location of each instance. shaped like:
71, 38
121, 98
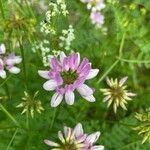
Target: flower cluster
55, 9
45, 50
96, 16
8, 62
30, 104
75, 139
67, 75
116, 94
143, 127
67, 38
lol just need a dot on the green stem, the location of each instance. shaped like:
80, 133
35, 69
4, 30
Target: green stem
27, 119
108, 71
12, 139
24, 65
4, 81
116, 62
2, 9
53, 119
134, 61
122, 44
9, 115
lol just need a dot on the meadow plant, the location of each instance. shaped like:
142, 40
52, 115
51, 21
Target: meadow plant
58, 43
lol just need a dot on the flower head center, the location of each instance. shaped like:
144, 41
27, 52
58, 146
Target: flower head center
69, 77
69, 146
117, 92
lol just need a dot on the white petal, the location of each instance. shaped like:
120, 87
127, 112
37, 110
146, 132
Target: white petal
78, 59
90, 98
17, 60
62, 56
78, 130
44, 74
2, 74
98, 147
122, 81
69, 97
93, 73
50, 85
56, 100
51, 143
85, 90
14, 70
92, 138
2, 49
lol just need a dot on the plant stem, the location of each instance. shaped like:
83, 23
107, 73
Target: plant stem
53, 118
116, 62
4, 81
2, 9
23, 61
108, 71
12, 139
134, 61
27, 119
9, 115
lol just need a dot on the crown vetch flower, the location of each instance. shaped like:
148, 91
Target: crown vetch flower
67, 75
75, 139
8, 62
97, 18
117, 95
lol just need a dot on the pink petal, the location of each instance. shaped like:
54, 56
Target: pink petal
56, 100
93, 73
44, 74
14, 70
89, 98
50, 85
78, 130
51, 143
69, 96
92, 138
85, 90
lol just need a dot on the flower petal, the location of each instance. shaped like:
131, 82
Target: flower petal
98, 147
62, 56
44, 74
56, 100
50, 85
92, 138
14, 70
90, 98
93, 73
78, 130
69, 97
2, 74
85, 90
51, 143
2, 49
122, 81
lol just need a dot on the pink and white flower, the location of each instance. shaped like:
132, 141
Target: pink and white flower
8, 62
97, 18
67, 75
75, 139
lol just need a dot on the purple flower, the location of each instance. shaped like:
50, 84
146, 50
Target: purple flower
67, 75
75, 139
8, 62
97, 18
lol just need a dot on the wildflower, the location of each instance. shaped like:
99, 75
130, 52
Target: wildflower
67, 38
144, 125
66, 75
97, 18
30, 104
75, 139
8, 62
116, 94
